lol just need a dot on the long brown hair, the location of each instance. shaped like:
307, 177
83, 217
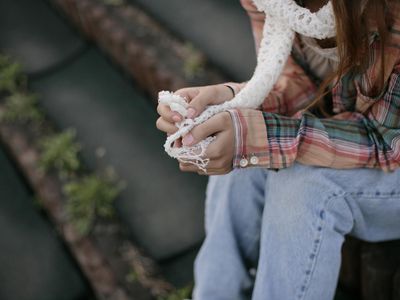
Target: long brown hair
354, 20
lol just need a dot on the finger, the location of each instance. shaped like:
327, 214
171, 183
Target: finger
167, 114
214, 125
212, 172
165, 126
178, 143
217, 149
198, 104
186, 167
202, 173
188, 93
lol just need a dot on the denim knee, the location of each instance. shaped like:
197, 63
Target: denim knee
301, 191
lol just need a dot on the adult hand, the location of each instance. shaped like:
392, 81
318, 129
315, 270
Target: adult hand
220, 151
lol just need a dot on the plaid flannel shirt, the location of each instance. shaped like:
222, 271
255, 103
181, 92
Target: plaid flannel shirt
364, 131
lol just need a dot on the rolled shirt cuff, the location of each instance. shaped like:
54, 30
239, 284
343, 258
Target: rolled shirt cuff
251, 141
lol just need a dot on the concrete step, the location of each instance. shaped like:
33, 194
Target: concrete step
35, 36
220, 28
161, 206
34, 262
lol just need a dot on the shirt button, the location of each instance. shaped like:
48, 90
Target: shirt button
254, 160
243, 162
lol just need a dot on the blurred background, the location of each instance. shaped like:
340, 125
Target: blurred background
91, 207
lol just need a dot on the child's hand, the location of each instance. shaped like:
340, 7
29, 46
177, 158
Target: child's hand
198, 98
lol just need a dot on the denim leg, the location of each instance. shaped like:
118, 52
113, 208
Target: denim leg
305, 219
234, 206
374, 197
308, 211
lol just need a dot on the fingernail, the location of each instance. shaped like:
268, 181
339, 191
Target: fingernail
191, 112
188, 139
176, 118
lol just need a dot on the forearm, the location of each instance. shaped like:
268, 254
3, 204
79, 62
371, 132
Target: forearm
278, 141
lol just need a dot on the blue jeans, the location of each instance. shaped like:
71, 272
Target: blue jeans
292, 248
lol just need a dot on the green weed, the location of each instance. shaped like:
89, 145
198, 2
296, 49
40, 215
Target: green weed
60, 151
88, 198
179, 294
21, 107
131, 277
10, 74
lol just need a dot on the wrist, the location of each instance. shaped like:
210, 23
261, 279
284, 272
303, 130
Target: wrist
229, 90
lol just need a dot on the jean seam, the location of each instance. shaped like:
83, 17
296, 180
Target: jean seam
316, 246
377, 194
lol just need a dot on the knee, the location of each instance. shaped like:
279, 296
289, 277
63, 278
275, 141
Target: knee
293, 196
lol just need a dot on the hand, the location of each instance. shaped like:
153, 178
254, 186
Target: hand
199, 98
220, 151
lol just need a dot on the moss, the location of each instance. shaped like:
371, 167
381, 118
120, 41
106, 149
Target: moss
21, 107
90, 197
179, 294
11, 76
132, 277
60, 152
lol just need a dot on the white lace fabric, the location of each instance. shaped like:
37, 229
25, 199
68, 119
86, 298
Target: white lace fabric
283, 18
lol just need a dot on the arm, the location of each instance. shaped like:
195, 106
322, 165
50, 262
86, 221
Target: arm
347, 140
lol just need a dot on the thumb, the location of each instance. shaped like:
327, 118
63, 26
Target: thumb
188, 93
199, 103
214, 125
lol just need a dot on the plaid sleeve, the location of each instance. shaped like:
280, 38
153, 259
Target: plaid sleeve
347, 140
293, 91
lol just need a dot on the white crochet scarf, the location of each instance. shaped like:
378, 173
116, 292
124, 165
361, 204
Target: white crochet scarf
283, 18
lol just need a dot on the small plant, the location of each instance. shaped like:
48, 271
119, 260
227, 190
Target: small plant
90, 197
194, 61
179, 294
10, 74
132, 276
20, 107
60, 152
